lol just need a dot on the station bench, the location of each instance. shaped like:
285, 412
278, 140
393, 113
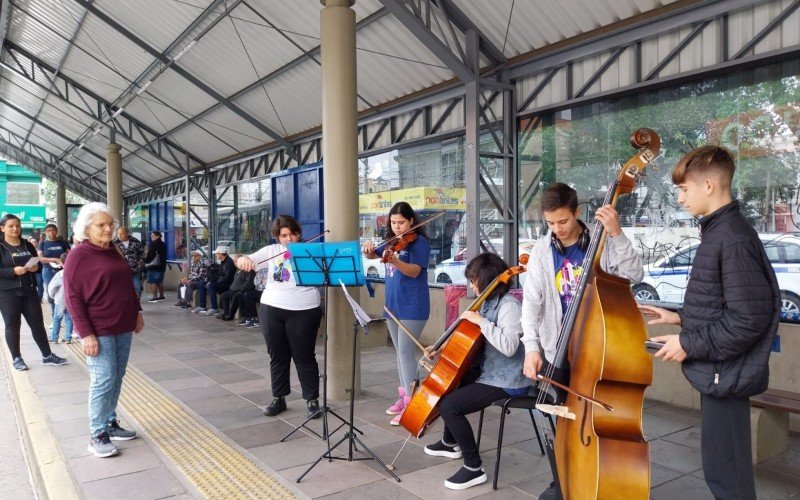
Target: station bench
769, 422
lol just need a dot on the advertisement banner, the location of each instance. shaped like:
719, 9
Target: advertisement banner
420, 198
31, 216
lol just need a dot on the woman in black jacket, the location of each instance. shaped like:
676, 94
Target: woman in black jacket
18, 295
156, 263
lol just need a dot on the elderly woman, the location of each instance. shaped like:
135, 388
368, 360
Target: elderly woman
105, 313
18, 295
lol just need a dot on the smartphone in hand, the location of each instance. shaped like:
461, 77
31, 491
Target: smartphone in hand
652, 346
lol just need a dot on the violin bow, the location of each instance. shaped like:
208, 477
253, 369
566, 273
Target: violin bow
320, 235
575, 393
405, 330
415, 226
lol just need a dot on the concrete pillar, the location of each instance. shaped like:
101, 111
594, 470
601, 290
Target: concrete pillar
114, 181
340, 178
61, 210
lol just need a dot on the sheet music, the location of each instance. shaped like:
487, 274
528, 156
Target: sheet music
361, 315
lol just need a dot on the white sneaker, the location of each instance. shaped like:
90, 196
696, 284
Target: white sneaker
210, 312
198, 310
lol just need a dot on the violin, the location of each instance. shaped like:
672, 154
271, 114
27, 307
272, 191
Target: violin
401, 243
404, 239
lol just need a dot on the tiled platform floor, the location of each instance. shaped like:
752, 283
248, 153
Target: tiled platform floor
220, 372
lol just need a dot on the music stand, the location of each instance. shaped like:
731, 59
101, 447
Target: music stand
364, 320
316, 264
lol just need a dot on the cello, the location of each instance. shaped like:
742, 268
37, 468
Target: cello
599, 450
460, 344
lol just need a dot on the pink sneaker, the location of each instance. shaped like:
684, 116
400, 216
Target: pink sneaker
396, 419
397, 407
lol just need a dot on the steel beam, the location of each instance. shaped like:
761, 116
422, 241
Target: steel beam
627, 35
191, 78
68, 91
418, 28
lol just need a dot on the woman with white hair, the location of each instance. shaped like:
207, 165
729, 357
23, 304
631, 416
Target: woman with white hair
105, 313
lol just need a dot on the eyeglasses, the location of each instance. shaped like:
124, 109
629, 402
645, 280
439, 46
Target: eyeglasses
105, 225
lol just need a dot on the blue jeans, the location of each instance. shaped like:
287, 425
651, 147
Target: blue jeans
39, 285
136, 276
61, 313
105, 379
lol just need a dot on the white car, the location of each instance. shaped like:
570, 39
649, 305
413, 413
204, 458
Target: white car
373, 268
665, 279
451, 271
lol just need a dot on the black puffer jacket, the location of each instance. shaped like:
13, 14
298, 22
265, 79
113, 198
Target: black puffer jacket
730, 310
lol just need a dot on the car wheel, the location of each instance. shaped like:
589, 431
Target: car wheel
372, 272
643, 291
790, 302
443, 278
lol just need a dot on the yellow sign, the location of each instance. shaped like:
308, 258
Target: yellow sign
420, 198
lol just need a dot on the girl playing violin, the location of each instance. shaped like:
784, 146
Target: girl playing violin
290, 317
406, 253
495, 374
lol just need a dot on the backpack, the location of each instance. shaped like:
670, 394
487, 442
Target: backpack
213, 273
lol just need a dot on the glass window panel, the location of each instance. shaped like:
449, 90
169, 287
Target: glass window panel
753, 112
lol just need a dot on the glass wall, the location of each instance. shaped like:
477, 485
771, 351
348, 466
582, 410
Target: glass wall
244, 217
755, 113
430, 177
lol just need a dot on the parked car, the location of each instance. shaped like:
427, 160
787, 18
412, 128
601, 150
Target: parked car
665, 279
373, 268
451, 271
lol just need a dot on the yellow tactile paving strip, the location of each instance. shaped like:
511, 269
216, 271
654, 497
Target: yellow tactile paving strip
217, 469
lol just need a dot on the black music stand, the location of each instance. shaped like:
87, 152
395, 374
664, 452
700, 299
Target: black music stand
316, 264
362, 319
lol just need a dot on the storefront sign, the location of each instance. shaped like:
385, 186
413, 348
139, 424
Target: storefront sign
420, 198
31, 216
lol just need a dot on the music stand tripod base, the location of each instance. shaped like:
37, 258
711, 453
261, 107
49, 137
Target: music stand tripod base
350, 436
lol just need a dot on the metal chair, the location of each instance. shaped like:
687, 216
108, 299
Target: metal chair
526, 402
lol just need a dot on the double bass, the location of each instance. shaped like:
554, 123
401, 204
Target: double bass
460, 344
599, 450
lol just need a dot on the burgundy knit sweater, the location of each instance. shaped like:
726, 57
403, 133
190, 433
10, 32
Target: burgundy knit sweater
99, 291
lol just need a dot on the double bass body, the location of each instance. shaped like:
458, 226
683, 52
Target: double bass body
603, 454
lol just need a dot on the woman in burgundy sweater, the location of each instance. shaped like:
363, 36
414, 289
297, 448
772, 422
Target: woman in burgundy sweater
105, 313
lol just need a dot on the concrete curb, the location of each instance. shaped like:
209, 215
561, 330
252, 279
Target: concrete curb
48, 465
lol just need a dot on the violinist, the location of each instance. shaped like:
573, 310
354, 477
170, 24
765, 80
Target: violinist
554, 270
406, 252
495, 374
290, 317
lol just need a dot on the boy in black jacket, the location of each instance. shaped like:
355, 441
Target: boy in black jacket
728, 321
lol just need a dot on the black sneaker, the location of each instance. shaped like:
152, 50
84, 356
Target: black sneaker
550, 493
439, 449
243, 322
179, 304
466, 477
53, 360
117, 433
277, 406
154, 300
312, 409
19, 365
254, 324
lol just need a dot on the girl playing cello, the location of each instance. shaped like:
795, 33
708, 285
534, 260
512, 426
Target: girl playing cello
406, 253
495, 374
